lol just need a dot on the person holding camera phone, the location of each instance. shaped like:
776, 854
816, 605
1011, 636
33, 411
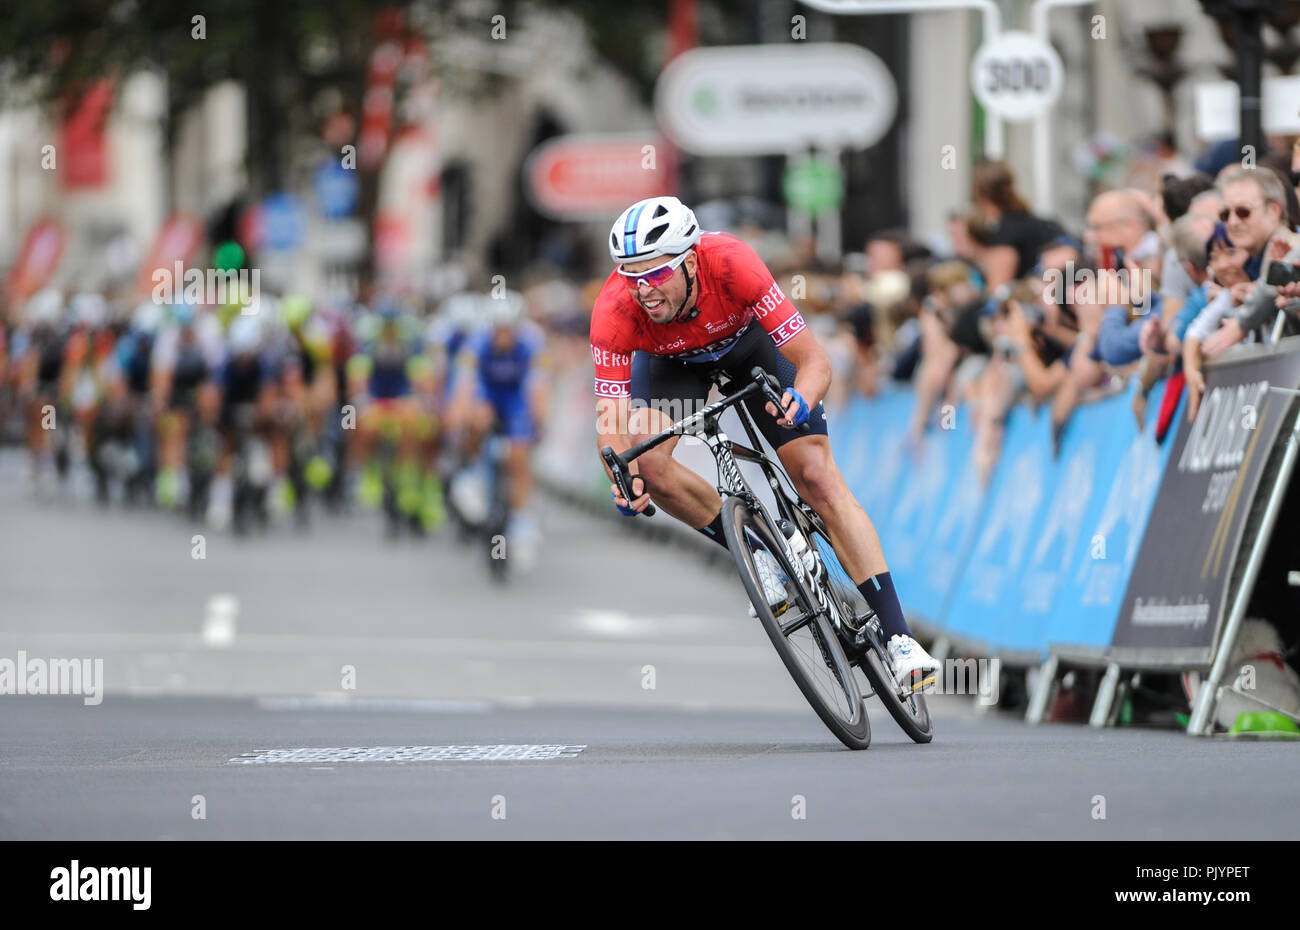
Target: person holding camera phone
1254, 214
1231, 285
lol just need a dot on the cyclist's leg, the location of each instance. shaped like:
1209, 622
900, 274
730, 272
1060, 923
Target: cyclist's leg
663, 390
808, 460
517, 419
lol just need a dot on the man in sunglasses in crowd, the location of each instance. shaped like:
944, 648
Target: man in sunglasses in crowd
1254, 215
679, 303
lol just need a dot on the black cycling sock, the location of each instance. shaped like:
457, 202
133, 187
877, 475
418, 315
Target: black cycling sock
714, 531
880, 594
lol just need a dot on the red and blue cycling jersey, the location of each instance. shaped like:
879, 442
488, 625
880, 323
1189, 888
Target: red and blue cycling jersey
736, 291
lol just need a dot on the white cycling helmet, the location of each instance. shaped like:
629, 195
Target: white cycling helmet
89, 309
45, 308
506, 310
460, 311
653, 228
245, 334
147, 318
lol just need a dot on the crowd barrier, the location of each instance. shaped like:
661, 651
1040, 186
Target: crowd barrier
1053, 556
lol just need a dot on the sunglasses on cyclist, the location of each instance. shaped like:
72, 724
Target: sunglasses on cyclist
653, 277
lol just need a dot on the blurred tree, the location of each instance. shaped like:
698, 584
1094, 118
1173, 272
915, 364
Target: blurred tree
302, 62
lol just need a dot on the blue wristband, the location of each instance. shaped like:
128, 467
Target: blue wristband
802, 416
625, 511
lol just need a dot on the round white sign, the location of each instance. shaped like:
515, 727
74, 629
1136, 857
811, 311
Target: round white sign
1017, 76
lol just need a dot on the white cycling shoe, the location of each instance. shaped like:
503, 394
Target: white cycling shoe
774, 583
908, 656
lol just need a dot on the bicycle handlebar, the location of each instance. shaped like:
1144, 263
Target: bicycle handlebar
623, 476
764, 383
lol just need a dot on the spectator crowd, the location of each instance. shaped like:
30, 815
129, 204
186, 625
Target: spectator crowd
1018, 308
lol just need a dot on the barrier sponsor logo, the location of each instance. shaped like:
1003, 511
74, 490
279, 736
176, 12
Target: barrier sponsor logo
1178, 592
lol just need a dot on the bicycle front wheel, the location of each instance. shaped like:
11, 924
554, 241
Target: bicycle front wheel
803, 636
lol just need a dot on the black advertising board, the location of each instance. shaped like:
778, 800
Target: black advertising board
1177, 595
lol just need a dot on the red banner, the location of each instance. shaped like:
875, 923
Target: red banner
177, 240
37, 259
83, 145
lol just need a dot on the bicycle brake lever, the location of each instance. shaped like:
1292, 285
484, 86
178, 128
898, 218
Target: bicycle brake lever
770, 389
622, 477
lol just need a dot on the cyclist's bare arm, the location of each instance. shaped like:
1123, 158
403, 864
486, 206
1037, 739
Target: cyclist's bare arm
812, 371
611, 429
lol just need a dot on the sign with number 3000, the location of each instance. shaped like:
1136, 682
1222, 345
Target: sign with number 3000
1017, 76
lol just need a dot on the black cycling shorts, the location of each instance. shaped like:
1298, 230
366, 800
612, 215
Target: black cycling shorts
681, 388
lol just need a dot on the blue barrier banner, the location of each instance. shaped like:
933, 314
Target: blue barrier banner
868, 439
928, 531
986, 586
1126, 477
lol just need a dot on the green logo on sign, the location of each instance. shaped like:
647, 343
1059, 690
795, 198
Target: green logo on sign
814, 185
704, 100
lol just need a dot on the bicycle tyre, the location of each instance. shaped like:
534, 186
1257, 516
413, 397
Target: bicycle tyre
854, 732
912, 714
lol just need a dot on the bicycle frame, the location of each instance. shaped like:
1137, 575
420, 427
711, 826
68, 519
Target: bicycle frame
704, 425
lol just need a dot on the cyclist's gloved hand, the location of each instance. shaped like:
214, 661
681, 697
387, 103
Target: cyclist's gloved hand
625, 511
628, 511
801, 415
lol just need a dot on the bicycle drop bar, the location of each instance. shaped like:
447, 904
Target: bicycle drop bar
618, 463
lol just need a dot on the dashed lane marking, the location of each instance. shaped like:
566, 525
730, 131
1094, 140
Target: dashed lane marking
399, 754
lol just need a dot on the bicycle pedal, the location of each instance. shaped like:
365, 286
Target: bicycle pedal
919, 683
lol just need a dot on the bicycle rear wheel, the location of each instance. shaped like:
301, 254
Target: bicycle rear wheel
910, 712
805, 639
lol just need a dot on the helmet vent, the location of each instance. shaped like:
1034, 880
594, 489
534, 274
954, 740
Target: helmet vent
660, 210
655, 234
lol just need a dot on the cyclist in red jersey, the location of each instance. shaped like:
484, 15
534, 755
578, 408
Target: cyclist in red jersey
679, 303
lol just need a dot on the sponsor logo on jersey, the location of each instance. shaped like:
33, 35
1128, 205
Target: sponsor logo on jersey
604, 358
789, 329
607, 388
717, 326
768, 302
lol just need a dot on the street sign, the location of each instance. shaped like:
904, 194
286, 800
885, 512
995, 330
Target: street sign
595, 176
813, 185
336, 190
770, 99
283, 223
1016, 76
1218, 108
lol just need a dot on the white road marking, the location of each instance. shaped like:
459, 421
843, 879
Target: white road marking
303, 644
618, 624
500, 753
219, 620
344, 702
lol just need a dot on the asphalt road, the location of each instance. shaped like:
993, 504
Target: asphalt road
618, 691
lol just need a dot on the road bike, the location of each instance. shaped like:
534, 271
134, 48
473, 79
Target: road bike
825, 626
